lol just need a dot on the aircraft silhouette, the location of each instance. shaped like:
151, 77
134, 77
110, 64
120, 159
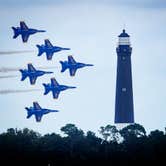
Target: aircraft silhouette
56, 88
37, 111
32, 73
72, 65
49, 49
24, 31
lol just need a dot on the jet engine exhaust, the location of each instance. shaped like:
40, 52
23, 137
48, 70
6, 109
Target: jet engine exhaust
15, 52
8, 69
8, 91
9, 76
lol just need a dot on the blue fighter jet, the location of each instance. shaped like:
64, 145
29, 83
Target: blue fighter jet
32, 73
37, 111
24, 31
49, 49
56, 88
72, 65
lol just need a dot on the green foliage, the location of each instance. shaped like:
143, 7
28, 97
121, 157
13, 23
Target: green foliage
132, 131
26, 146
72, 131
109, 133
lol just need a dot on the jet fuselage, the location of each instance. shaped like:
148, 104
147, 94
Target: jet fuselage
29, 31
53, 49
75, 65
58, 88
41, 111
36, 73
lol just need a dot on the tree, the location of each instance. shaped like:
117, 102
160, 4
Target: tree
156, 134
90, 134
11, 131
109, 133
72, 131
132, 131
74, 139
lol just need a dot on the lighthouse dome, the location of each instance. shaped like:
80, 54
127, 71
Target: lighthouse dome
124, 34
124, 38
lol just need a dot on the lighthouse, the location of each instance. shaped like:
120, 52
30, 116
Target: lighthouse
124, 107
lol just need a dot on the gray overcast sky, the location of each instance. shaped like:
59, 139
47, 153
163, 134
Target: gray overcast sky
90, 29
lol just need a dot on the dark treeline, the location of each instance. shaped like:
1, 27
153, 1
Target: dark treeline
128, 146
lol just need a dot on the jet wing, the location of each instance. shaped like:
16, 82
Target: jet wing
25, 37
49, 55
38, 117
72, 72
30, 67
32, 80
36, 106
23, 26
71, 59
54, 82
48, 43
55, 94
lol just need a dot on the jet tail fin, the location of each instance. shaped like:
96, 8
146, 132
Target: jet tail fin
40, 50
15, 30
29, 112
24, 75
64, 67
47, 90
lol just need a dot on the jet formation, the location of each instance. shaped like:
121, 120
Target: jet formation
24, 31
37, 111
72, 65
32, 73
49, 49
56, 88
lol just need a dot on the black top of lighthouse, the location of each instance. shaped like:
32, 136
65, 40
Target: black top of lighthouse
123, 34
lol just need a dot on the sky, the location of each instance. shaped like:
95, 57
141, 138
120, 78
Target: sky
90, 29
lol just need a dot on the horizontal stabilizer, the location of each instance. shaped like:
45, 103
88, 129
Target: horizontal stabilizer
47, 90
64, 66
29, 112
15, 30
40, 50
24, 75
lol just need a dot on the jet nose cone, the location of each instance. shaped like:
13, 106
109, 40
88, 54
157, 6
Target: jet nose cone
89, 65
41, 30
49, 72
65, 48
72, 87
55, 111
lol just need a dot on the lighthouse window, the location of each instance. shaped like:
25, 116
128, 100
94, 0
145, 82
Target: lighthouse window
123, 89
123, 58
